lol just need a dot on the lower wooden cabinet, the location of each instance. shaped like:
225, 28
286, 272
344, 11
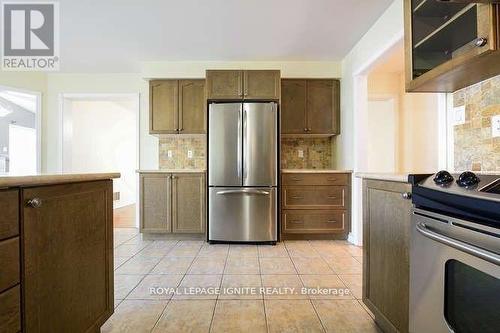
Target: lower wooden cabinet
386, 229
172, 203
10, 310
315, 204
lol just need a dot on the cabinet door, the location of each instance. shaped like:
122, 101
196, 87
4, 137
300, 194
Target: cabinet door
261, 84
322, 106
155, 203
224, 84
163, 107
192, 108
386, 229
293, 106
188, 214
68, 257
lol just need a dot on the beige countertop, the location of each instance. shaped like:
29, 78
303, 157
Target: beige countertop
392, 177
173, 171
9, 180
315, 171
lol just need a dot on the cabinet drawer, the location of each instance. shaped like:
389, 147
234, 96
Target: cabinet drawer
10, 310
9, 259
314, 197
306, 221
9, 218
315, 179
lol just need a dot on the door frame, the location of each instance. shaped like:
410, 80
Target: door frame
38, 121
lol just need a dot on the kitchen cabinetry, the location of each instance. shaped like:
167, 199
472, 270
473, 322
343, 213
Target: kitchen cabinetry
172, 202
386, 229
315, 204
450, 45
63, 281
239, 84
177, 106
310, 107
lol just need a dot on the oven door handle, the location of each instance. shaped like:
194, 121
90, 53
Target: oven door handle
472, 250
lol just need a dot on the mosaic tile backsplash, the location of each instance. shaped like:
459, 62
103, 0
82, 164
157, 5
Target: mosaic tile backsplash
317, 153
179, 147
474, 147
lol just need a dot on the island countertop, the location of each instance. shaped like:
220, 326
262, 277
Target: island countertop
9, 180
315, 171
172, 171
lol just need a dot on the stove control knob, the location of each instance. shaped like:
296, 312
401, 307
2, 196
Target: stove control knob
467, 179
443, 177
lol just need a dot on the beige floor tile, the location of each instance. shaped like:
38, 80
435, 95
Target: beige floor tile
344, 265
272, 251
291, 316
156, 250
359, 259
242, 265
241, 287
127, 250
354, 250
329, 249
243, 251
353, 282
331, 286
311, 266
370, 313
277, 266
138, 240
173, 265
124, 284
214, 250
118, 261
133, 316
186, 316
184, 250
282, 287
207, 284
194, 243
203, 265
346, 316
156, 287
138, 265
239, 316
301, 249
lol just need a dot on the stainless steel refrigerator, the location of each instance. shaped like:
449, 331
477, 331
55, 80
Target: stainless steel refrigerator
242, 172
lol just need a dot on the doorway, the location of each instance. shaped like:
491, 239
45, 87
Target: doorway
100, 134
20, 131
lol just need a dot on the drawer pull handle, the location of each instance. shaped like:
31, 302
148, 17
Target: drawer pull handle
296, 221
332, 179
297, 197
332, 197
34, 203
296, 179
331, 221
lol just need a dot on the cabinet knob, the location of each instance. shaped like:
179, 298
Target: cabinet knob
406, 195
34, 203
305, 129
480, 42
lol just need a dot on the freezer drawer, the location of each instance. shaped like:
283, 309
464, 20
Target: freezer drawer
225, 144
242, 214
260, 139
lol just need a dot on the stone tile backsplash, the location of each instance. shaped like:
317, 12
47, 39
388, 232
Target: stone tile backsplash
179, 147
317, 153
474, 147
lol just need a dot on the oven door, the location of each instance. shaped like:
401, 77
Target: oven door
454, 275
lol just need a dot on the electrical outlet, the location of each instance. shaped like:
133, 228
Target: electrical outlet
495, 126
169, 153
301, 153
190, 154
459, 115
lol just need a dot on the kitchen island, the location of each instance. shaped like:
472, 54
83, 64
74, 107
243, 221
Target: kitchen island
56, 250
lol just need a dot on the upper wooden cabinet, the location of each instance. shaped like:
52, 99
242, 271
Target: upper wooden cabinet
238, 84
177, 106
310, 106
450, 45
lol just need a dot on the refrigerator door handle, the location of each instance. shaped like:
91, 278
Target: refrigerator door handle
258, 192
245, 140
240, 145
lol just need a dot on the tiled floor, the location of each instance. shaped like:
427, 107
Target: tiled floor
260, 288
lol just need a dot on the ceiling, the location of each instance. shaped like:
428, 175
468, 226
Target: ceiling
116, 35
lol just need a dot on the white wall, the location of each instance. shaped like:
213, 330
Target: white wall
382, 135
